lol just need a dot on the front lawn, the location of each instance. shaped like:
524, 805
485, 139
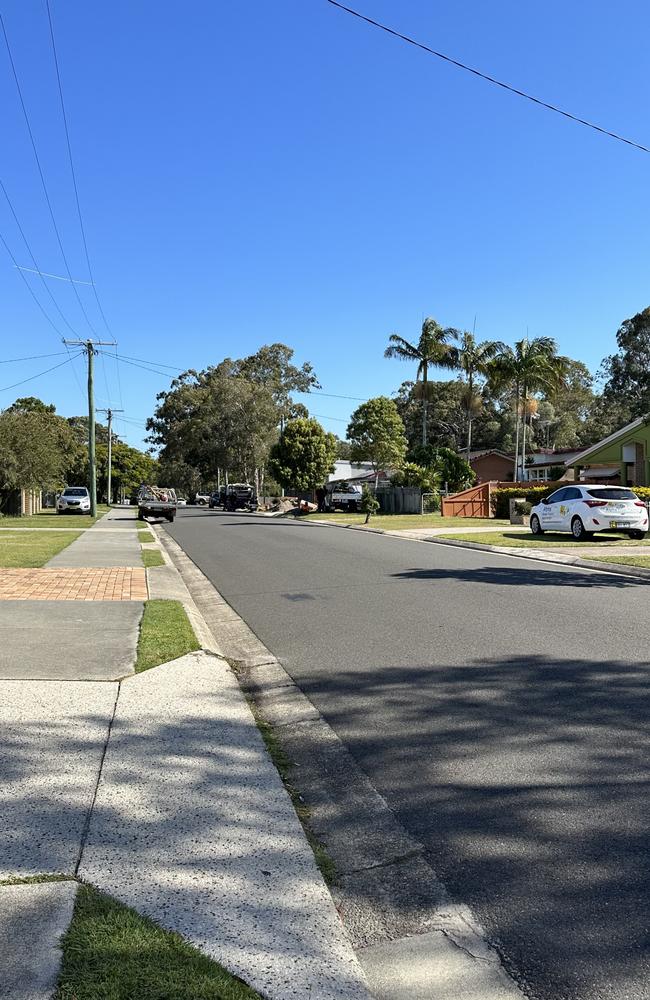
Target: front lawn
49, 519
110, 952
32, 549
548, 540
165, 634
398, 522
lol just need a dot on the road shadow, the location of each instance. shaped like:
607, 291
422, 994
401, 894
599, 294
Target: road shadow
527, 780
517, 576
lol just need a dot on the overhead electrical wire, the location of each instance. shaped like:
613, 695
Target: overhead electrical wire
5, 388
146, 366
31, 357
42, 176
72, 169
37, 269
489, 79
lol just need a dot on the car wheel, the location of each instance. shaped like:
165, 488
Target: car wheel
352, 507
140, 516
637, 535
535, 526
578, 530
170, 519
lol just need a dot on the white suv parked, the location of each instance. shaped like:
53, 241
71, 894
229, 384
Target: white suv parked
582, 510
74, 500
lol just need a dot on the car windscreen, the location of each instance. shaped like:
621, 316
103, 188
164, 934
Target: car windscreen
612, 493
75, 493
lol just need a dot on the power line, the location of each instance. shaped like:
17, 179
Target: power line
46, 274
34, 262
5, 388
32, 357
41, 174
72, 170
145, 365
487, 78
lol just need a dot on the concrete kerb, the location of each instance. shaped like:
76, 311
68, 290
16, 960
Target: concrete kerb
30, 913
411, 940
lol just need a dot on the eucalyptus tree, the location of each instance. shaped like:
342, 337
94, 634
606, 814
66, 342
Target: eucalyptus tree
433, 350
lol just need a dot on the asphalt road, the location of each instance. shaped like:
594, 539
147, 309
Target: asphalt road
500, 705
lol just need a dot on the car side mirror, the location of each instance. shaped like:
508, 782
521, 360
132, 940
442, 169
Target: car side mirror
546, 501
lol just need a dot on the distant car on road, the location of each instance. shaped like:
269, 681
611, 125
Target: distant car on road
201, 499
583, 510
74, 500
181, 502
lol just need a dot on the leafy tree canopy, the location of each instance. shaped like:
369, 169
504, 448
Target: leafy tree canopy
303, 456
376, 434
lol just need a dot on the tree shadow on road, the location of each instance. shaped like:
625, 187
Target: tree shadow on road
527, 780
515, 575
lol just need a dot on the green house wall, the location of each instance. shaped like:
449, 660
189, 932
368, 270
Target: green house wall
636, 473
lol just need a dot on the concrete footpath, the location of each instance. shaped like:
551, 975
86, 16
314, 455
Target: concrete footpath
155, 787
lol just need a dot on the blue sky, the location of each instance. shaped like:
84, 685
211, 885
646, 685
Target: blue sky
278, 171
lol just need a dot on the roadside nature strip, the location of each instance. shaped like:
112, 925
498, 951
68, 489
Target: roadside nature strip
110, 950
165, 634
32, 549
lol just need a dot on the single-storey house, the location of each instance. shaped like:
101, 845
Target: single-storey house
490, 464
622, 457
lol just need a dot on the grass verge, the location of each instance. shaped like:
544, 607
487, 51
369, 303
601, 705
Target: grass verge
397, 522
549, 540
643, 561
36, 879
152, 557
32, 549
165, 634
145, 536
46, 519
110, 952
277, 753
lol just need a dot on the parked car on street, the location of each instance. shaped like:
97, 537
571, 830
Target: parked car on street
583, 510
156, 501
201, 499
217, 498
74, 500
181, 502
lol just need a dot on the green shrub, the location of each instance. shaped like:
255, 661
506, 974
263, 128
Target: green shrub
501, 498
369, 503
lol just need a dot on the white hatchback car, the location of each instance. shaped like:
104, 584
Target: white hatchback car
582, 510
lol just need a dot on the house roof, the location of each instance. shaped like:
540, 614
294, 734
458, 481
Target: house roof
579, 459
489, 451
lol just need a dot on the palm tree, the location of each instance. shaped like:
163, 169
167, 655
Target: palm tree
474, 360
529, 366
432, 350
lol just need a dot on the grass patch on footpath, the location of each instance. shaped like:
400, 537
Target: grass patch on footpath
49, 519
152, 557
643, 561
165, 634
32, 549
36, 879
145, 536
549, 540
398, 522
110, 952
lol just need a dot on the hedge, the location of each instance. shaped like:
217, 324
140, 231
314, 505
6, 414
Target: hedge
501, 497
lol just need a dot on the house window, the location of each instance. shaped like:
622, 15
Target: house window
538, 475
